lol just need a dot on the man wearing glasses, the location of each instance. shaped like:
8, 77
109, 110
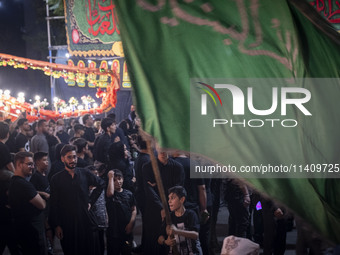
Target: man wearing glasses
27, 207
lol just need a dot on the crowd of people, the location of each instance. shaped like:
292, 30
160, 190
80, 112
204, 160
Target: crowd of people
84, 181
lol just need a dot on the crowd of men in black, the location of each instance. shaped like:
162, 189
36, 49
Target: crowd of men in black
84, 183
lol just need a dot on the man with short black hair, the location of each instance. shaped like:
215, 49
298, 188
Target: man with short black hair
79, 130
82, 151
104, 141
70, 205
5, 159
21, 140
27, 207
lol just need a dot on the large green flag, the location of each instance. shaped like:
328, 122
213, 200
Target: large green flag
235, 81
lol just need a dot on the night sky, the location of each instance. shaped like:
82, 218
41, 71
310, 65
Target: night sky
22, 34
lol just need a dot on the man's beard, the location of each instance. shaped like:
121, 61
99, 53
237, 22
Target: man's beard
69, 166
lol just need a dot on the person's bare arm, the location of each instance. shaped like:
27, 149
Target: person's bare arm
15, 123
172, 230
129, 226
110, 187
59, 232
38, 202
44, 195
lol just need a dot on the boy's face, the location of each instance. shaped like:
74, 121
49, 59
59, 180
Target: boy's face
42, 163
175, 202
118, 182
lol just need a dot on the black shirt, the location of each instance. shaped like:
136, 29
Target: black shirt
40, 182
5, 179
119, 132
21, 141
82, 163
56, 167
11, 142
189, 222
101, 148
28, 220
172, 174
63, 136
21, 192
5, 155
119, 209
142, 159
190, 185
89, 134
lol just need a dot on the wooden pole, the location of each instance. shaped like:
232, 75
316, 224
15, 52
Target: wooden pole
160, 190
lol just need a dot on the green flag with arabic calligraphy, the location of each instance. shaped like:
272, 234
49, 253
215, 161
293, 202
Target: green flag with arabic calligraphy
251, 85
92, 28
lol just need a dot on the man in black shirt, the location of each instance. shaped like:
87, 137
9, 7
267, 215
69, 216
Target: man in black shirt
142, 159
40, 182
89, 134
60, 131
70, 204
103, 142
172, 174
21, 140
27, 207
82, 151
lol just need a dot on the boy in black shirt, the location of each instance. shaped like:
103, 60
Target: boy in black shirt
39, 178
185, 225
121, 209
